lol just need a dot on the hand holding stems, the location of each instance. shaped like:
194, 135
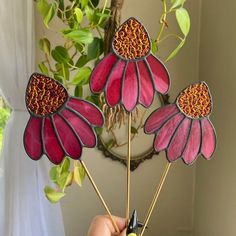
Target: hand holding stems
102, 225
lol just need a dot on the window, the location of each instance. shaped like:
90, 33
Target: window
4, 115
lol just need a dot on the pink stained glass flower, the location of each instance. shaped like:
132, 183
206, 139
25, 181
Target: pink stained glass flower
183, 129
130, 74
59, 125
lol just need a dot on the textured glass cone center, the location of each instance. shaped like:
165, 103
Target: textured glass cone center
44, 95
131, 41
195, 101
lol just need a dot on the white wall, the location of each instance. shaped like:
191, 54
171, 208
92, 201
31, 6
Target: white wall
215, 208
175, 214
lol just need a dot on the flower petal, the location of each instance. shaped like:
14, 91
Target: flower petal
52, 145
32, 138
194, 142
101, 72
130, 87
160, 74
145, 83
208, 139
67, 137
158, 117
164, 135
88, 110
178, 142
113, 87
80, 127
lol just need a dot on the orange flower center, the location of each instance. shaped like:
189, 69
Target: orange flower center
131, 41
44, 95
195, 101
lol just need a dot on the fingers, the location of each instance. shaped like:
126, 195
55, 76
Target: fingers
102, 225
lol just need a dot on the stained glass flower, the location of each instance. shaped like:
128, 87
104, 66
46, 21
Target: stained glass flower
59, 125
183, 129
130, 74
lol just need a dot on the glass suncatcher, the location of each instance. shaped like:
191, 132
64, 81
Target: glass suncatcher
183, 129
59, 125
130, 74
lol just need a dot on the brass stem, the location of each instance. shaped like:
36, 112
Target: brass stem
155, 198
100, 196
128, 165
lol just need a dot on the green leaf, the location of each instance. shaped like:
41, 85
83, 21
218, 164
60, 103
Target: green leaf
177, 3
95, 48
54, 173
79, 15
93, 98
52, 195
42, 67
78, 91
89, 13
173, 53
42, 6
60, 54
79, 173
110, 144
103, 17
183, 20
154, 46
65, 166
50, 14
82, 77
45, 45
84, 3
83, 60
79, 36
64, 180
98, 131
134, 130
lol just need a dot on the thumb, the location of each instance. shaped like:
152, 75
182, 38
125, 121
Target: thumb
123, 233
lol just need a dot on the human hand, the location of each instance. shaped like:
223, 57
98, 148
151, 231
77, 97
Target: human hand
102, 226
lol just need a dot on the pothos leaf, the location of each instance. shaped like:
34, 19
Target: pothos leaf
82, 77
183, 20
50, 14
173, 53
79, 14
79, 173
79, 36
52, 195
176, 3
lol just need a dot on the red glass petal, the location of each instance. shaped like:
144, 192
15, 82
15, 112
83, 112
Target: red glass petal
164, 136
32, 138
146, 86
69, 140
179, 140
81, 128
101, 72
208, 139
52, 145
193, 146
160, 74
113, 89
158, 117
89, 111
130, 91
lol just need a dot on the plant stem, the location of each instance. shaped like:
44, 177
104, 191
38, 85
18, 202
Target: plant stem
171, 35
163, 21
103, 10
